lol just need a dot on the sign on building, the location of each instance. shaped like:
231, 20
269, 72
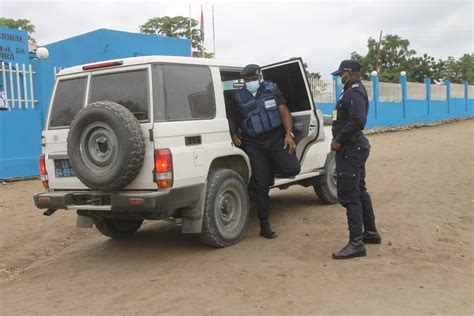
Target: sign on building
13, 46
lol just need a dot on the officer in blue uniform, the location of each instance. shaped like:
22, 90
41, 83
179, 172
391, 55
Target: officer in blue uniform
260, 123
352, 150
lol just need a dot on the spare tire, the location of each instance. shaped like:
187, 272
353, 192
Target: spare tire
105, 146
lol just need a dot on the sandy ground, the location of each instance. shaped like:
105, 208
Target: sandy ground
421, 182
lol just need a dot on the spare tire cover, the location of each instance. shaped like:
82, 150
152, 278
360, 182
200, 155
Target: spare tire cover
105, 146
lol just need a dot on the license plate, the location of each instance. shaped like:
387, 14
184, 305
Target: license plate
62, 168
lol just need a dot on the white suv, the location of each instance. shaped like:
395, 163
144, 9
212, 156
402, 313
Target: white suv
147, 138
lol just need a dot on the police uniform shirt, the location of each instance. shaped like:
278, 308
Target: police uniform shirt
350, 114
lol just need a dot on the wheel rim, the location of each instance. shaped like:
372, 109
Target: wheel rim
228, 209
100, 146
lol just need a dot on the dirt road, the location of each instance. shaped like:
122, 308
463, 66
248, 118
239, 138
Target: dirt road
421, 182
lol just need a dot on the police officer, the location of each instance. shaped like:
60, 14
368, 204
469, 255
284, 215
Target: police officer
260, 123
352, 150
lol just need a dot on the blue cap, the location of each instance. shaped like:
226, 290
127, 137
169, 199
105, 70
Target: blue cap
347, 65
250, 70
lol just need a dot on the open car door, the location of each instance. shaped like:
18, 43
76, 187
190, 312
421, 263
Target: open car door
291, 79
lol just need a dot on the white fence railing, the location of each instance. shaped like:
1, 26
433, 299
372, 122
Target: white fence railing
416, 91
324, 91
56, 70
457, 90
438, 92
17, 86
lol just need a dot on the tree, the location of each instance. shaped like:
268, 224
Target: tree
19, 24
177, 26
458, 70
396, 56
311, 74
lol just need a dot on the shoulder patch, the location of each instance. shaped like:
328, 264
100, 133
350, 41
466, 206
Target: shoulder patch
355, 85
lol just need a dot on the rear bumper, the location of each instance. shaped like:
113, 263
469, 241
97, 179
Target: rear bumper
144, 201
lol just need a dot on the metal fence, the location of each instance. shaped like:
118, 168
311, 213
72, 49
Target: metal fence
17, 90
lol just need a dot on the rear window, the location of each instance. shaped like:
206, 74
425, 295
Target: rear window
186, 93
129, 89
68, 100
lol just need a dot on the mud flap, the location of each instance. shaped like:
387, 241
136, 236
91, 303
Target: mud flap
192, 216
84, 221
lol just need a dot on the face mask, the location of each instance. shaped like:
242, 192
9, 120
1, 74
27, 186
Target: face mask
345, 79
252, 86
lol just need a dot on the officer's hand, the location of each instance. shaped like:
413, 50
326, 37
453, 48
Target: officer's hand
290, 144
335, 145
236, 140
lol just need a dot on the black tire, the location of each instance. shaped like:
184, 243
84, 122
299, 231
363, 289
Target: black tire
226, 209
326, 185
105, 146
117, 228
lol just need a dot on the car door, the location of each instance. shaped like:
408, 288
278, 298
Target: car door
291, 79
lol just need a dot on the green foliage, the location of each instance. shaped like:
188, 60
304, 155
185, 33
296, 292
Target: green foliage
177, 26
396, 56
19, 24
311, 74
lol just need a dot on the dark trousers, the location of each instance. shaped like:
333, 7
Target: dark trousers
351, 190
267, 158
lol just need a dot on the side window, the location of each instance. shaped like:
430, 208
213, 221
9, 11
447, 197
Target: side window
188, 93
68, 100
129, 89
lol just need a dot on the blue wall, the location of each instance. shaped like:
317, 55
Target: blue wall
100, 45
391, 113
20, 129
407, 112
20, 144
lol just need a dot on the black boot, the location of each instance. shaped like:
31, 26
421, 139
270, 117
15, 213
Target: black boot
371, 237
355, 248
266, 230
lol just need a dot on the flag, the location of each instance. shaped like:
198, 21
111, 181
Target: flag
202, 25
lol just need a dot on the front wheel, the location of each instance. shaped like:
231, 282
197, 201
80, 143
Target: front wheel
326, 185
226, 209
117, 228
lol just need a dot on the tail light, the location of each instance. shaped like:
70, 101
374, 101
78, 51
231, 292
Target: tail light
163, 172
43, 172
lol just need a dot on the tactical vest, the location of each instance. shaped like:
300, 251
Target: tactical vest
260, 114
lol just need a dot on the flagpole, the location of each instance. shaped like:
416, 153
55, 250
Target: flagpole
202, 32
190, 33
213, 34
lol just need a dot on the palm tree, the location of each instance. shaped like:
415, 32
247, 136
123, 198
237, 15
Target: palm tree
19, 24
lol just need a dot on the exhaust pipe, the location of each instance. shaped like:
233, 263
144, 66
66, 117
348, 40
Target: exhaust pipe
49, 212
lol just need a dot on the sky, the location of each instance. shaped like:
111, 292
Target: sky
321, 32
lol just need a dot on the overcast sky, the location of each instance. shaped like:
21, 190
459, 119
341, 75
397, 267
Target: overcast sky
322, 32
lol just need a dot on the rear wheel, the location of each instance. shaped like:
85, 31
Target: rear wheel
117, 228
106, 146
226, 209
326, 185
